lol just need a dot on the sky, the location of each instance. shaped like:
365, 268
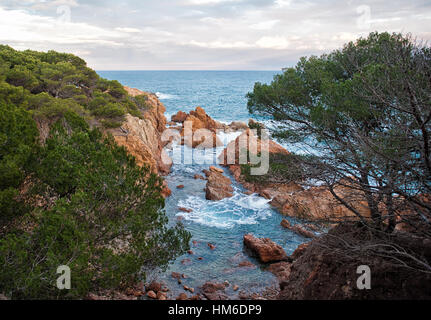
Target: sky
203, 34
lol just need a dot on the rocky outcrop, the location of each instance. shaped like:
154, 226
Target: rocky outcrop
266, 250
142, 136
325, 269
199, 130
218, 186
317, 203
180, 117
291, 199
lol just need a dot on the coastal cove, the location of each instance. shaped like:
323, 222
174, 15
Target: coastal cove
217, 227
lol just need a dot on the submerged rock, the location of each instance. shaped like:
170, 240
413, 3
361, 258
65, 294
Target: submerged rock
266, 250
214, 291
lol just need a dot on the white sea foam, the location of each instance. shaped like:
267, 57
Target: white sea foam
165, 96
241, 209
226, 138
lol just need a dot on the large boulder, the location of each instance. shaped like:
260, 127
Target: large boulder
218, 186
265, 249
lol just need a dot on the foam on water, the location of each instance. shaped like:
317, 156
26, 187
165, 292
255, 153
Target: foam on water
165, 96
222, 223
241, 209
226, 138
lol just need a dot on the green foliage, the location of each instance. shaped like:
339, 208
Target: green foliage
365, 110
68, 79
107, 225
283, 168
18, 135
79, 199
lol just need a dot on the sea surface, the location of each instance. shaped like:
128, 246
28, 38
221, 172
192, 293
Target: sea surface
221, 223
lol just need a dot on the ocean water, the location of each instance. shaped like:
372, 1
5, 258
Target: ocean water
221, 223
220, 93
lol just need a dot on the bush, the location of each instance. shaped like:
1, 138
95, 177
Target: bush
107, 226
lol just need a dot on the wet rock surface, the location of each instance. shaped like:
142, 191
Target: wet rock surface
265, 250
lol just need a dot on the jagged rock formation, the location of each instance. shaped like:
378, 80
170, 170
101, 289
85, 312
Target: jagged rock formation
218, 186
199, 130
142, 137
291, 199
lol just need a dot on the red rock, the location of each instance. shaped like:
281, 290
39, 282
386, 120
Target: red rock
235, 288
215, 169
297, 229
281, 270
200, 258
180, 117
198, 176
151, 295
218, 186
182, 296
154, 286
211, 246
176, 275
214, 291
246, 264
300, 250
286, 224
161, 296
303, 232
190, 252
181, 186
185, 210
265, 249
206, 172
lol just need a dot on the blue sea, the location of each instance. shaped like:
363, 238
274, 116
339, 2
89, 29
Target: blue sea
221, 223
220, 93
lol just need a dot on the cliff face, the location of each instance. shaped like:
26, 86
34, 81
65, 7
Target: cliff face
142, 137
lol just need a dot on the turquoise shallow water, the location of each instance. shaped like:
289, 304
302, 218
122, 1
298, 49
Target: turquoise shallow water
221, 223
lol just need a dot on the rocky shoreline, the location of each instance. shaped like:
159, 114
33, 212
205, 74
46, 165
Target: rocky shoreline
143, 139
301, 275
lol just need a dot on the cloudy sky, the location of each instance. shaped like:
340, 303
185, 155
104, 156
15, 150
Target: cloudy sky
202, 34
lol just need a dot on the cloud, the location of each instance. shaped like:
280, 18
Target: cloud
265, 25
206, 34
276, 42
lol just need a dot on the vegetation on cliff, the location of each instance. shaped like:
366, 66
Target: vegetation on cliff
73, 197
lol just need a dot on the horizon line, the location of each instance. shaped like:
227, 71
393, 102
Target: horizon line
188, 70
